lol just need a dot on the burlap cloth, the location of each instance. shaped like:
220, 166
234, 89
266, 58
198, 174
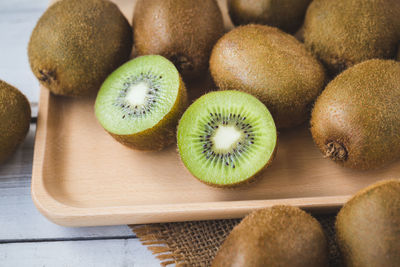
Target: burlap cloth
196, 243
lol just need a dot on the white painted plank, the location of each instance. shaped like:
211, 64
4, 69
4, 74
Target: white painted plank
19, 218
97, 253
17, 20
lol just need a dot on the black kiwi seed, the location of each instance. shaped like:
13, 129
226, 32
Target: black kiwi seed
242, 146
148, 119
226, 163
138, 111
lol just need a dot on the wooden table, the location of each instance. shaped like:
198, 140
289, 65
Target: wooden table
26, 237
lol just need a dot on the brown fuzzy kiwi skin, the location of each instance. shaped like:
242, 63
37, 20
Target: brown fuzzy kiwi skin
163, 133
77, 44
287, 15
342, 33
277, 236
15, 116
368, 226
183, 31
271, 65
356, 120
398, 54
299, 35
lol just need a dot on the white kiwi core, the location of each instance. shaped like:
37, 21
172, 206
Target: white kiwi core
137, 93
226, 137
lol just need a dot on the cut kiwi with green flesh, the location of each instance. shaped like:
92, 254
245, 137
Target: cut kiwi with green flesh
225, 138
140, 103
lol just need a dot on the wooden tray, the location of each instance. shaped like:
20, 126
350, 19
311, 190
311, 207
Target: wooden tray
82, 177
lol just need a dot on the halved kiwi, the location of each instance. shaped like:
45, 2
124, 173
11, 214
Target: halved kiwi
225, 138
141, 102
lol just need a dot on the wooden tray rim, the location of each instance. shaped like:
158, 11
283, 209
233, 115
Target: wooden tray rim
66, 215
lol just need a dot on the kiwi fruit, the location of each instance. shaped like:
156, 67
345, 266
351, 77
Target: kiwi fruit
368, 226
342, 33
277, 236
77, 44
140, 103
356, 120
287, 15
271, 65
15, 117
299, 35
184, 31
226, 138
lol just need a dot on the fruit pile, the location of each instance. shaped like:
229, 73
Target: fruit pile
343, 76
338, 72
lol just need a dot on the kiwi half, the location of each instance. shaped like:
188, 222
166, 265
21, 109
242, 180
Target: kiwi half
141, 102
271, 65
368, 226
342, 33
277, 236
356, 120
288, 15
226, 138
184, 31
77, 44
15, 116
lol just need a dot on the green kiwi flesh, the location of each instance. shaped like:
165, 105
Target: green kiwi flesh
277, 236
77, 44
271, 65
226, 138
356, 120
140, 103
342, 33
181, 30
287, 15
15, 117
368, 226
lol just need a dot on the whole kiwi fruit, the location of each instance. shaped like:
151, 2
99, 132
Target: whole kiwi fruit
15, 116
77, 44
184, 31
368, 226
288, 15
356, 119
342, 33
271, 65
277, 236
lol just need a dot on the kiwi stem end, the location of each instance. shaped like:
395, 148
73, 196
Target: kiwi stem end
47, 76
182, 63
335, 151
